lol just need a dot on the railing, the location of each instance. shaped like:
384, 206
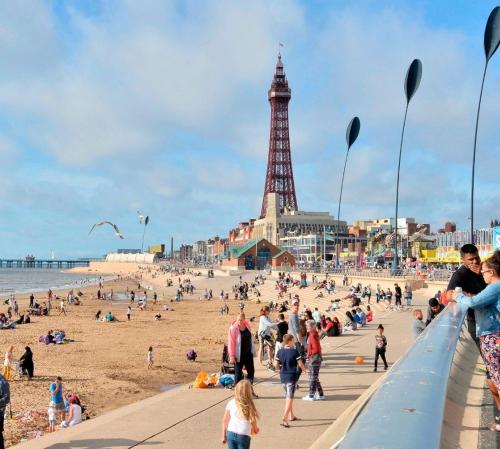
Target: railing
436, 275
407, 410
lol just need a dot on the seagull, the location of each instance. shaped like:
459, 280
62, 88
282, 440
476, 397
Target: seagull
100, 223
140, 216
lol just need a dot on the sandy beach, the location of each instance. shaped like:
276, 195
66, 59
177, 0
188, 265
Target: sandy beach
106, 363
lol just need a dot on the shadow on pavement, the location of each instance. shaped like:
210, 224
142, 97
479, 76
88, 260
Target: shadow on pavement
100, 443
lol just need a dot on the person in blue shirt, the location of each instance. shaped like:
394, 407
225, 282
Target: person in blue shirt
361, 315
57, 398
356, 317
486, 305
287, 360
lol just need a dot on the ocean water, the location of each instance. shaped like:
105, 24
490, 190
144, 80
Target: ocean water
18, 280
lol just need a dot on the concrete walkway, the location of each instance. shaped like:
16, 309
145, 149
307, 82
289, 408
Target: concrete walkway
190, 419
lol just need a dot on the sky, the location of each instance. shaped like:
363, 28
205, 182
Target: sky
109, 107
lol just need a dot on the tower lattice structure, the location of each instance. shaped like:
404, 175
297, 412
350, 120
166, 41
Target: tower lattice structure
279, 175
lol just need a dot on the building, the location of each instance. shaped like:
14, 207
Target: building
242, 234
199, 251
258, 254
279, 173
128, 251
277, 225
158, 250
186, 252
380, 236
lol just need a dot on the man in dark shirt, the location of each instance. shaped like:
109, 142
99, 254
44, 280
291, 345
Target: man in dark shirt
282, 328
469, 278
398, 294
433, 310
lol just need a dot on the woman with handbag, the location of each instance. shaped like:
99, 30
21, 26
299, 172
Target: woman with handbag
314, 359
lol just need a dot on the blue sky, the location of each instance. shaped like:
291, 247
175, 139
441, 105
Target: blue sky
108, 107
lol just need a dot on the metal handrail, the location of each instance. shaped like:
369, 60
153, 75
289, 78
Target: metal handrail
408, 408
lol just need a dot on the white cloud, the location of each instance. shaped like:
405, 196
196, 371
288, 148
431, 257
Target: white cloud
162, 106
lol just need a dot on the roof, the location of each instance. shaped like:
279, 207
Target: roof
280, 254
238, 251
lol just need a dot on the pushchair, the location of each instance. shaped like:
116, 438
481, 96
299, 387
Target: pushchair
226, 367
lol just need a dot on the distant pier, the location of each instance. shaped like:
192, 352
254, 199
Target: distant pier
60, 264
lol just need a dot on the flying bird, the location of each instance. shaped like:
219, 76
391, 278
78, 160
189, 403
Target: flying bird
100, 223
140, 215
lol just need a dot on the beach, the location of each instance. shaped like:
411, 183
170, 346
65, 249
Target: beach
106, 363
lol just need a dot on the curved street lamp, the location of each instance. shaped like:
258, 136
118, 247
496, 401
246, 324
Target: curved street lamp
350, 136
413, 77
491, 43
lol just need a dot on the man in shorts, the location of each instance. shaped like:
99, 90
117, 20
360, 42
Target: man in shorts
288, 360
57, 398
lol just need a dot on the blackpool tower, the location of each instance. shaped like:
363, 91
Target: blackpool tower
279, 174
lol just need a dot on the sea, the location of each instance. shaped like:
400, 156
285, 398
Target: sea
27, 280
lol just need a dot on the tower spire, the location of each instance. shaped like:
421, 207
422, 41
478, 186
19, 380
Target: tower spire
279, 174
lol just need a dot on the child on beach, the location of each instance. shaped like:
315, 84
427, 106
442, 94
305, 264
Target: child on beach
380, 347
240, 418
129, 312
287, 360
51, 412
418, 325
369, 314
150, 357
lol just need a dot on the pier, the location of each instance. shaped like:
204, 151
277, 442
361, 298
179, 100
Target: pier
60, 264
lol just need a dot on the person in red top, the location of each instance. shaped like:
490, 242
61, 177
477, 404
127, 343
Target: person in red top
314, 359
369, 314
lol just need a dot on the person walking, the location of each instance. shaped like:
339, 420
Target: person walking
380, 347
408, 294
294, 329
288, 360
7, 364
397, 294
62, 308
26, 364
240, 420
265, 332
240, 347
314, 359
129, 312
4, 401
150, 357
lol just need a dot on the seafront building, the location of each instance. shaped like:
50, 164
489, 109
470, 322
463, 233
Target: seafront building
315, 238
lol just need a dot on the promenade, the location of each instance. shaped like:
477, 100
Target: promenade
186, 418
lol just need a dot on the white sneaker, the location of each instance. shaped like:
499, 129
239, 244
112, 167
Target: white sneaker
317, 397
308, 398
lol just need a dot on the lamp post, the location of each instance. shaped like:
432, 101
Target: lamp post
324, 248
413, 77
351, 136
491, 43
146, 221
